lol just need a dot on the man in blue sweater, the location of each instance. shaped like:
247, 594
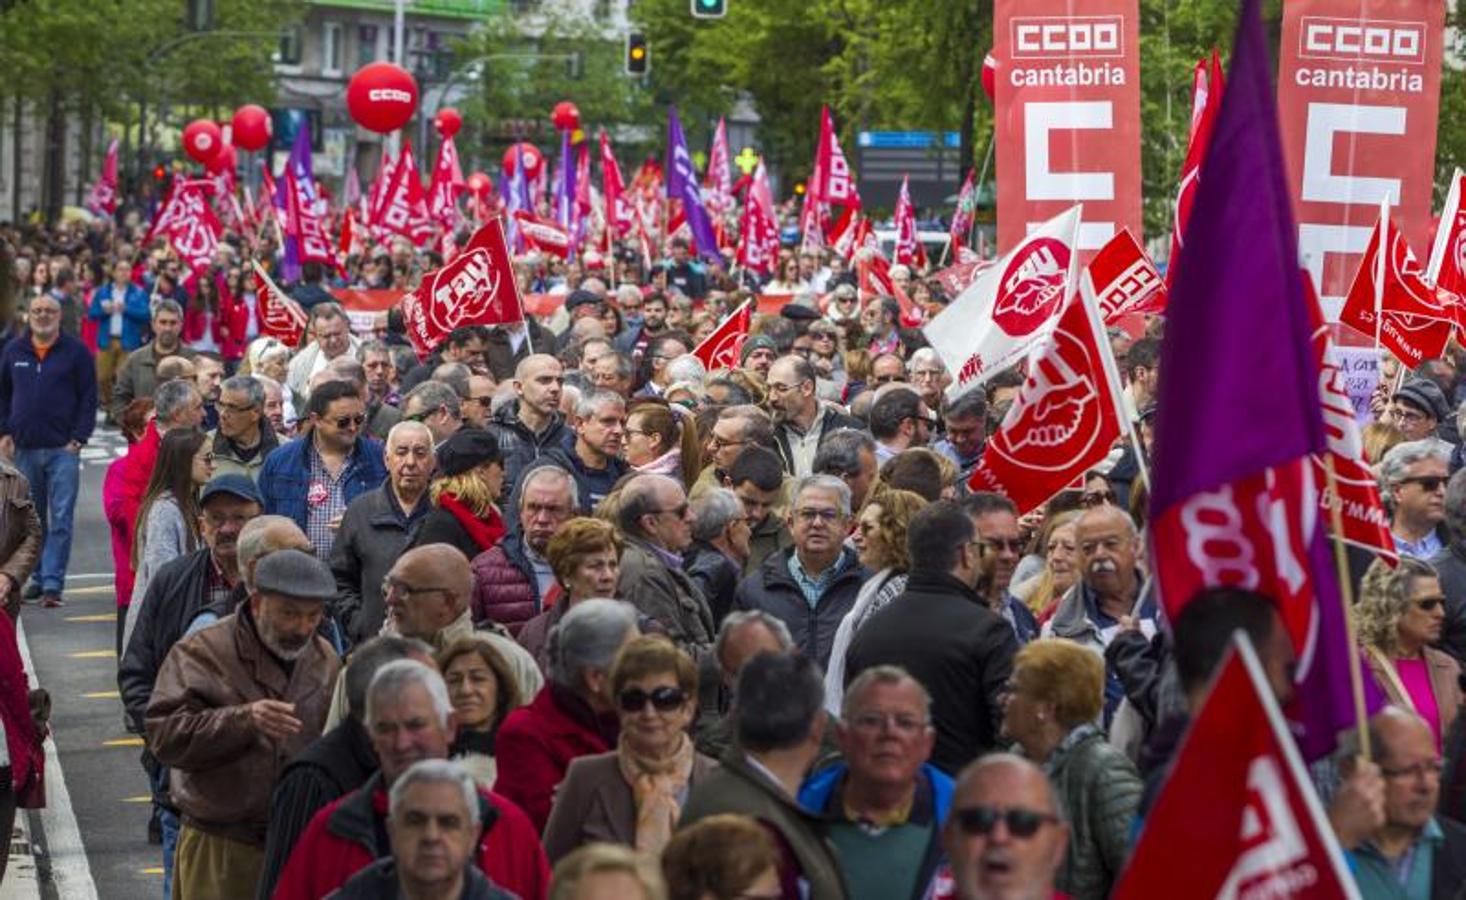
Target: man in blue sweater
48, 408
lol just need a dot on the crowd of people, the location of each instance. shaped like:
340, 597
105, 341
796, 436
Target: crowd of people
559, 612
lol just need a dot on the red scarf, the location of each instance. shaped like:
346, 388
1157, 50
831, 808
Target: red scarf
485, 532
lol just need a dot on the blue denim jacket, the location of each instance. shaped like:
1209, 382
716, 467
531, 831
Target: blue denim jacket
285, 478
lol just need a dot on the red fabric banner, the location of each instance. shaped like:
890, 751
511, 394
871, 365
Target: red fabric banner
1358, 95
476, 288
1068, 114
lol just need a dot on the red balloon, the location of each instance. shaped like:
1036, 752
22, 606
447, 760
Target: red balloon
478, 183
566, 116
448, 121
252, 128
990, 77
202, 140
222, 161
534, 161
381, 97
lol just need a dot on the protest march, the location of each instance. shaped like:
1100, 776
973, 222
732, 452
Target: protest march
528, 519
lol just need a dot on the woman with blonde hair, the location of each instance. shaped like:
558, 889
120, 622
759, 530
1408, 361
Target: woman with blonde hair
1058, 542
1401, 611
465, 494
880, 539
663, 442
596, 871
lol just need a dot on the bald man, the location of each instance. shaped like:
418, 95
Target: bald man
1004, 838
531, 425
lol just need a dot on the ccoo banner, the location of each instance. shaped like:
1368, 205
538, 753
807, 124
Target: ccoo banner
1068, 116
1358, 94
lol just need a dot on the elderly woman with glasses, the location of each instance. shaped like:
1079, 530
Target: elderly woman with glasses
1051, 711
465, 494
1401, 611
634, 794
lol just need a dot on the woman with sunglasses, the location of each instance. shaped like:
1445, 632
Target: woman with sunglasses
1054, 699
168, 517
634, 794
465, 494
1401, 611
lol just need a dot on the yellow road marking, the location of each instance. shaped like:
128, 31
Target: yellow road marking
143, 798
158, 870
94, 654
101, 695
99, 617
124, 742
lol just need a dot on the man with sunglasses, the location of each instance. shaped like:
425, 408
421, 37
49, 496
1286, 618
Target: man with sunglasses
657, 520
312, 478
898, 420
885, 802
1005, 837
1415, 474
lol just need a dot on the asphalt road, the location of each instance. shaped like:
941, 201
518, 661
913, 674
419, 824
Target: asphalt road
92, 838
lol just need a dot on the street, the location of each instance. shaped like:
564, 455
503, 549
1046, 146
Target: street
91, 839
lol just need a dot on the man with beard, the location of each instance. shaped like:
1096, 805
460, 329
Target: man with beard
1108, 598
208, 373
966, 432
232, 704
138, 376
804, 422
634, 339
1000, 543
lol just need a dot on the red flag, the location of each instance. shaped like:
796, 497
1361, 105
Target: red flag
831, 183
1416, 321
963, 216
279, 315
386, 174
905, 221
1123, 281
404, 207
1447, 266
758, 247
476, 288
189, 223
719, 350
1237, 816
1063, 422
446, 185
102, 198
1206, 100
302, 223
346, 246
1362, 517
618, 208
957, 278
718, 182
542, 234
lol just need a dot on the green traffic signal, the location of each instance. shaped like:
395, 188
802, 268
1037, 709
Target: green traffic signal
709, 9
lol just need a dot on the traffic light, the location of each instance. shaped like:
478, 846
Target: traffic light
709, 9
637, 58
160, 172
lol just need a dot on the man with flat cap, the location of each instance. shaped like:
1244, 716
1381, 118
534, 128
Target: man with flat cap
1418, 408
233, 704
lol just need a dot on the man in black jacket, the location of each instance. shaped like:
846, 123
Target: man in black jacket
941, 632
1451, 564
803, 421
339, 762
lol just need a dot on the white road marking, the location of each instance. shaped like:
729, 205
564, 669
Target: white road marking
70, 872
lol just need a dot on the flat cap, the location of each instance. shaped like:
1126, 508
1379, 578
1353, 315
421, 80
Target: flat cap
1426, 396
467, 449
295, 574
756, 342
799, 312
580, 298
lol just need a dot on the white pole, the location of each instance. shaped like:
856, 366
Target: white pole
398, 27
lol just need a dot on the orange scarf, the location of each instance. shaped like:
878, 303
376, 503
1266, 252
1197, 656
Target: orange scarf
656, 785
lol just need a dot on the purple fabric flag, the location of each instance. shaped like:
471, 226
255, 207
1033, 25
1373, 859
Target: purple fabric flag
565, 189
1237, 350
299, 163
682, 183
516, 197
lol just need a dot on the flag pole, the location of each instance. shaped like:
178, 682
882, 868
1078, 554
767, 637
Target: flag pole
1346, 598
1379, 269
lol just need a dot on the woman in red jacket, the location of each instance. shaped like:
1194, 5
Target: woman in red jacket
573, 715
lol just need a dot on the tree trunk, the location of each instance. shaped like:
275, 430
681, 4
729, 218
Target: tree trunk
16, 150
55, 182
84, 157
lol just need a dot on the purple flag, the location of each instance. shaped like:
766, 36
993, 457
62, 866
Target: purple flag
682, 183
299, 164
516, 197
1238, 505
565, 189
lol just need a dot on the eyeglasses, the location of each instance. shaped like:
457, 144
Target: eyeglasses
421, 415
344, 422
822, 335
978, 821
810, 516
679, 511
1409, 415
207, 459
720, 443
874, 722
1091, 499
885, 379
1430, 604
233, 407
484, 402
777, 388
663, 699
1429, 768
1012, 545
405, 592
1428, 483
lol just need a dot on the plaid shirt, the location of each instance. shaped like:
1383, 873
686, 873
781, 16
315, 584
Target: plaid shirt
814, 587
321, 512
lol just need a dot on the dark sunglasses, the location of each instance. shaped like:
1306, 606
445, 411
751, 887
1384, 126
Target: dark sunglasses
663, 699
1430, 604
1013, 545
352, 421
981, 820
1428, 483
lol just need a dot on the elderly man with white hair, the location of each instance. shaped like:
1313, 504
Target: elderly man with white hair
409, 719
1413, 479
812, 585
657, 520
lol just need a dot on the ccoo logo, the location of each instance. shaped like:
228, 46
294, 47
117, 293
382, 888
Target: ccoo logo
1032, 286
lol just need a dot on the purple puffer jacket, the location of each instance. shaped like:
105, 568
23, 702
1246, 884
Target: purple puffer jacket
504, 586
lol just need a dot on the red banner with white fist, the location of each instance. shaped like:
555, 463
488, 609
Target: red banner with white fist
1068, 116
476, 288
1358, 94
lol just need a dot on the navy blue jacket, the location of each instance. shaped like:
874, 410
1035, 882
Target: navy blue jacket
285, 477
44, 405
